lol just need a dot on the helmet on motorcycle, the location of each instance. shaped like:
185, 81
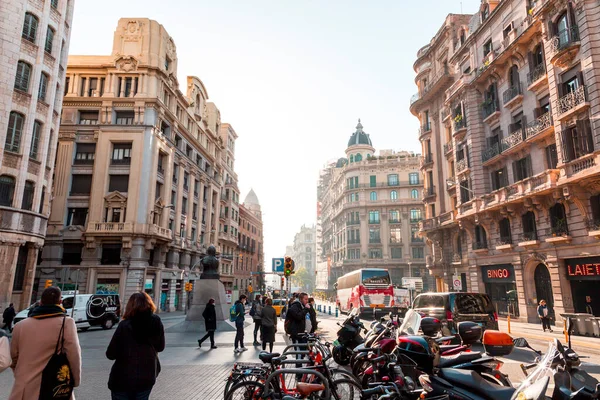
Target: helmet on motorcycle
423, 350
431, 326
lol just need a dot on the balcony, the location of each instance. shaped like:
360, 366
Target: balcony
513, 96
417, 240
438, 82
353, 241
375, 241
459, 127
593, 225
415, 220
528, 239
513, 140
448, 148
110, 227
394, 221
490, 111
426, 160
490, 152
352, 222
537, 78
539, 128
462, 165
581, 164
505, 243
162, 233
424, 130
429, 192
559, 233
480, 247
572, 103
564, 47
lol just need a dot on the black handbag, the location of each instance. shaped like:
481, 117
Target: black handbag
57, 381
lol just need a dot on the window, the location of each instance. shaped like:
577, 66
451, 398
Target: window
505, 234
415, 216
395, 235
499, 179
465, 191
393, 195
595, 203
72, 253
178, 141
167, 63
558, 220
418, 252
393, 180
111, 254
375, 253
414, 194
121, 153
414, 234
195, 212
577, 141
184, 205
81, 185
23, 75
77, 216
351, 158
373, 196
529, 226
92, 87
35, 140
7, 190
196, 187
373, 217
125, 117
49, 40
119, 183
396, 252
27, 201
15, 129
395, 216
30, 27
480, 238
54, 3
82, 87
88, 117
551, 156
173, 199
413, 178
85, 153
43, 87
522, 169
67, 82
128, 87
186, 178
485, 13
373, 181
41, 209
487, 47
374, 235
21, 268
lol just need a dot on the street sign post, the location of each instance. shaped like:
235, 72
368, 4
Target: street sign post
278, 265
457, 283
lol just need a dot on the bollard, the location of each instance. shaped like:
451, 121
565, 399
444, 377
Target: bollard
565, 331
329, 310
508, 321
336, 312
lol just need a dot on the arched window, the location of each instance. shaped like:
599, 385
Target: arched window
13, 134
23, 76
49, 40
529, 226
480, 241
27, 202
35, 140
358, 158
393, 195
7, 190
414, 194
43, 86
513, 76
505, 235
558, 220
351, 158
30, 27
373, 196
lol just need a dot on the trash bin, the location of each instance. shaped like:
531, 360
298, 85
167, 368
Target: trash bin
596, 326
591, 326
565, 318
579, 324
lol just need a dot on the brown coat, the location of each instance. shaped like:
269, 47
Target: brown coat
32, 345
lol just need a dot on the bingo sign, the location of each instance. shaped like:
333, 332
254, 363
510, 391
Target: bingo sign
501, 273
457, 283
228, 296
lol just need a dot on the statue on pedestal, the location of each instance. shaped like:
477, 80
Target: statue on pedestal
210, 264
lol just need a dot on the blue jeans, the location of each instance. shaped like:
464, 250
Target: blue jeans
145, 395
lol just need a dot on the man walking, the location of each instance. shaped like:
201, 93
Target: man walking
239, 324
256, 314
34, 342
8, 316
295, 320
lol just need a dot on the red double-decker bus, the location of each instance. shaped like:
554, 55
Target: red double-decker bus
366, 289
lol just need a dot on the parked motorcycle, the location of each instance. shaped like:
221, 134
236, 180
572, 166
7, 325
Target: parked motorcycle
349, 336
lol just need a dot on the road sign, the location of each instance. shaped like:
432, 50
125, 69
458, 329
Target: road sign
278, 265
408, 283
457, 283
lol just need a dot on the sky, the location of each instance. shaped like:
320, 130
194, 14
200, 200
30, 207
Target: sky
292, 78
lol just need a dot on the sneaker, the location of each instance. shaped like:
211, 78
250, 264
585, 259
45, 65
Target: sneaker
256, 343
199, 343
243, 349
213, 347
551, 330
237, 351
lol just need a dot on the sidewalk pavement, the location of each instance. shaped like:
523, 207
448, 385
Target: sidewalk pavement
535, 331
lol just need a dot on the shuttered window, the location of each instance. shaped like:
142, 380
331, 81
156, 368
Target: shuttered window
13, 134
49, 40
30, 26
43, 87
35, 140
81, 185
23, 76
118, 183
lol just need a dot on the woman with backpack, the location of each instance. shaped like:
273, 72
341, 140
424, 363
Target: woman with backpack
237, 315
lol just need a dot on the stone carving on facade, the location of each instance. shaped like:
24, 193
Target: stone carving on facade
126, 64
171, 48
132, 31
527, 257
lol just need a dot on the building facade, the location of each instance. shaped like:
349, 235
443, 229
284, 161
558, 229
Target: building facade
249, 274
305, 253
510, 100
371, 208
323, 282
139, 174
34, 38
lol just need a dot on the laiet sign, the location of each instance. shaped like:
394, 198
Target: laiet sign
587, 268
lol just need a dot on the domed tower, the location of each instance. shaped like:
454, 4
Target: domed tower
252, 204
359, 145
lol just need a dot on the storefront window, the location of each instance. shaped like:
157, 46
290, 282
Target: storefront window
500, 285
584, 277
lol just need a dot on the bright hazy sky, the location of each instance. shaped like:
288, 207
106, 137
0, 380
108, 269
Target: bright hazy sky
292, 77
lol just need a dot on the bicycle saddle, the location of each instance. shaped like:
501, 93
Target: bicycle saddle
267, 357
305, 389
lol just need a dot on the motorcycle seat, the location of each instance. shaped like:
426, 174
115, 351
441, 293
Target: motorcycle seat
267, 357
450, 361
471, 380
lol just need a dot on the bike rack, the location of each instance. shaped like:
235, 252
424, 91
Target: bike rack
323, 380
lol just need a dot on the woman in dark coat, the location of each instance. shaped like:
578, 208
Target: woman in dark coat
139, 338
210, 321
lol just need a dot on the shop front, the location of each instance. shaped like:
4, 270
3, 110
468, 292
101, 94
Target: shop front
501, 286
584, 277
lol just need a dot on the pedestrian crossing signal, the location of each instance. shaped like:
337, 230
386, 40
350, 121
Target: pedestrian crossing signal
48, 283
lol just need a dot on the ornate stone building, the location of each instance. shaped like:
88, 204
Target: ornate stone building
508, 98
34, 42
304, 253
141, 168
371, 206
250, 266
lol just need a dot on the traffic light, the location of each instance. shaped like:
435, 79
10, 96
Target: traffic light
189, 286
288, 266
48, 283
249, 288
282, 281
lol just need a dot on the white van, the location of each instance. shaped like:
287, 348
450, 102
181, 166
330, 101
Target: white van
102, 310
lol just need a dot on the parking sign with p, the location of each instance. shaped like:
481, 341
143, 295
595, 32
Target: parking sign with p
278, 265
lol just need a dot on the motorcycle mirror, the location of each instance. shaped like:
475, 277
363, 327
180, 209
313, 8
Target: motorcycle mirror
520, 342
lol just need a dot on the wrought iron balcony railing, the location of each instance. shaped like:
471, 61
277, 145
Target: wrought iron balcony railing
511, 92
538, 125
536, 73
480, 245
488, 109
490, 152
564, 39
572, 99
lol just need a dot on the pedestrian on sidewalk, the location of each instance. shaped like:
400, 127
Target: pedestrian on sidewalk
5, 358
35, 340
295, 320
269, 325
256, 314
544, 315
239, 324
135, 345
210, 322
8, 316
313, 315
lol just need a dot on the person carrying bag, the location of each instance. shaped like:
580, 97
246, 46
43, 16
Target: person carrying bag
56, 377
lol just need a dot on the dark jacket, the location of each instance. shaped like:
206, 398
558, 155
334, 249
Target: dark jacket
9, 314
135, 347
210, 317
257, 310
540, 311
295, 319
240, 311
269, 316
313, 319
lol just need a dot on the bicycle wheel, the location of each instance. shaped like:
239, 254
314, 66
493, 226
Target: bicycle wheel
245, 390
345, 389
340, 373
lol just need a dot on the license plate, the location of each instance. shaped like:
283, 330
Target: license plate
376, 305
336, 343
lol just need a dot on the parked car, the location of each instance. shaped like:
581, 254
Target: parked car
102, 310
278, 305
455, 307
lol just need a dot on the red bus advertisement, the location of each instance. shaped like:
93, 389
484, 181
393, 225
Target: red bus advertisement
366, 289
